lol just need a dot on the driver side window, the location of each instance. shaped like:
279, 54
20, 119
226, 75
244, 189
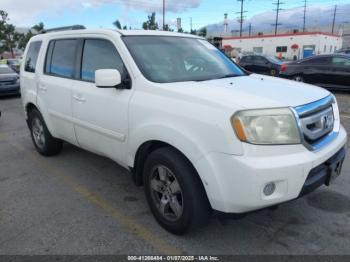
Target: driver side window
99, 54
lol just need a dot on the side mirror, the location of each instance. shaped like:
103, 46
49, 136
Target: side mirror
107, 78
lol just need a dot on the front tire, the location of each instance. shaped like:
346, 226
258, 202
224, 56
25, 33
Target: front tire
174, 191
298, 78
43, 141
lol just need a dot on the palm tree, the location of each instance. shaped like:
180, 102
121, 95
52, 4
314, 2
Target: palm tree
39, 28
117, 24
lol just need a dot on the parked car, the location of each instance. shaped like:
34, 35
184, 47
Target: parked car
343, 51
329, 71
192, 127
13, 63
267, 65
9, 81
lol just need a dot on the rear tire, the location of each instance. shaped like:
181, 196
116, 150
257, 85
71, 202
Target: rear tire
43, 141
174, 191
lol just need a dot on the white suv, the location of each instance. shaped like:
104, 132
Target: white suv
195, 129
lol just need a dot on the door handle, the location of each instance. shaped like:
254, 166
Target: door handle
79, 99
42, 87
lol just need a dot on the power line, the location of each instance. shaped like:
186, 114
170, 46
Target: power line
278, 9
334, 16
304, 19
241, 19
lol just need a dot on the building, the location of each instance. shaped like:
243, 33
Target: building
289, 45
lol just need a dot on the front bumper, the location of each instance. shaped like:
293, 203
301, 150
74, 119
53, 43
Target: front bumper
234, 184
10, 90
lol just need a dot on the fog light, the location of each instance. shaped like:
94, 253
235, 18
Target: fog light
269, 189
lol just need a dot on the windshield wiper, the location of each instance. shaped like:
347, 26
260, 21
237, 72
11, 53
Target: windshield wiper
228, 76
214, 78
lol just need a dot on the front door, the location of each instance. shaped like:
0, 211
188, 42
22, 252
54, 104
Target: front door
100, 114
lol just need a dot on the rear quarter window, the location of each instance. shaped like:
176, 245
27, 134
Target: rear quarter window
32, 56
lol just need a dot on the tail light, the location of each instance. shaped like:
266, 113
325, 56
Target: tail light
283, 67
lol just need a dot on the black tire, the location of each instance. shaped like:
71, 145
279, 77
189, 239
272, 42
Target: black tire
273, 72
195, 205
50, 146
298, 78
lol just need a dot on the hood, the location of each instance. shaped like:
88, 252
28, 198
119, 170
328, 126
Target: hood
253, 91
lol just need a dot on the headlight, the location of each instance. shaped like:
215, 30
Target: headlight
266, 126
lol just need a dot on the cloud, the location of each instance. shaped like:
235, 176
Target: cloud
25, 12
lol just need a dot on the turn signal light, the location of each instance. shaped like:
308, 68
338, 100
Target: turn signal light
238, 126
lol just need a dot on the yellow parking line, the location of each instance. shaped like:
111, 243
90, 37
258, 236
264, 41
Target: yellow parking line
126, 221
345, 116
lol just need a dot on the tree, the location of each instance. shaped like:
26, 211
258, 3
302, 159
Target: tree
202, 32
193, 32
8, 33
39, 28
180, 30
117, 24
125, 27
167, 28
151, 23
24, 39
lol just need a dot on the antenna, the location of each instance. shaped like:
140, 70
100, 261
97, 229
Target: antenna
278, 9
241, 18
304, 19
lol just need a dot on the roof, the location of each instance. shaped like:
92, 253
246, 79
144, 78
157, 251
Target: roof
281, 35
113, 31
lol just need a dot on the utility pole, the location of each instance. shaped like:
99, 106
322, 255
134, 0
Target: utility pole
241, 18
191, 24
334, 16
304, 20
163, 15
278, 9
225, 23
250, 30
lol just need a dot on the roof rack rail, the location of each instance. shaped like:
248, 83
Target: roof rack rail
64, 28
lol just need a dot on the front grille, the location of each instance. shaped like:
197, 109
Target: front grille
316, 121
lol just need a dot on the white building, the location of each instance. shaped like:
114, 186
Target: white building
288, 45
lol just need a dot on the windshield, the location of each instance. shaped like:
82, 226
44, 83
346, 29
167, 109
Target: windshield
274, 59
166, 59
6, 70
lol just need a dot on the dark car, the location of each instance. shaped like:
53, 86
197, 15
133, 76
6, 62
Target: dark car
329, 71
343, 51
267, 65
9, 81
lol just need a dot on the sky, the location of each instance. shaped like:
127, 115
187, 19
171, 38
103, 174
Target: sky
102, 13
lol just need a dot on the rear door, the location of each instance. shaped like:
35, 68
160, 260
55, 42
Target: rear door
55, 87
316, 70
340, 71
261, 65
101, 114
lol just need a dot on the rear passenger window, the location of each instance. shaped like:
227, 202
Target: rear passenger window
99, 54
61, 58
32, 56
